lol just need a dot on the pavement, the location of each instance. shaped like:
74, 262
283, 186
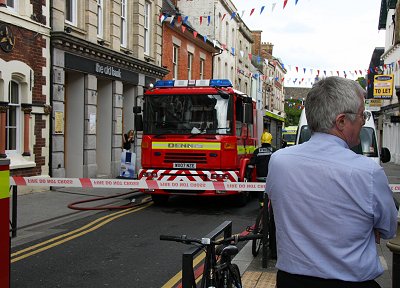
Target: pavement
38, 212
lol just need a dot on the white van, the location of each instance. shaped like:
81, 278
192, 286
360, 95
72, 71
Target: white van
368, 145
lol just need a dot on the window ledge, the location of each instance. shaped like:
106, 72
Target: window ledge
18, 161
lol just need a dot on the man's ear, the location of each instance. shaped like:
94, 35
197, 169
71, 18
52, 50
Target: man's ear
340, 121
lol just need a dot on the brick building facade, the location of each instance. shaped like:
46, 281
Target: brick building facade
24, 87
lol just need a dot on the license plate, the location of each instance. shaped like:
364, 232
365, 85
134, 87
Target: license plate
185, 165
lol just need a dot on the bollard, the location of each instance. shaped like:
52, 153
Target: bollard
394, 246
4, 223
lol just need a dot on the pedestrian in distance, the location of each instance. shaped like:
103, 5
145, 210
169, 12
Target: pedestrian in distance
331, 205
127, 140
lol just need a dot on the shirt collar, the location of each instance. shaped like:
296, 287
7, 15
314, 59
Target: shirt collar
319, 136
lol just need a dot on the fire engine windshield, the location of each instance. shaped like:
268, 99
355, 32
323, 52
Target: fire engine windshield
188, 114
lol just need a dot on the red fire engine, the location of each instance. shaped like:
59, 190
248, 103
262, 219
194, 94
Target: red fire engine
196, 130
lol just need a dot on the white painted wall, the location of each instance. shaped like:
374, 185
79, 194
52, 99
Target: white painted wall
74, 110
104, 127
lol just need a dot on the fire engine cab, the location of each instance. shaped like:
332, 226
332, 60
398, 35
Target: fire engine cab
195, 131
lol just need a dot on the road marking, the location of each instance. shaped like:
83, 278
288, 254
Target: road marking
178, 276
74, 234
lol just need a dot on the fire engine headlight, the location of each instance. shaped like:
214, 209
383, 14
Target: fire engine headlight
214, 176
226, 176
154, 175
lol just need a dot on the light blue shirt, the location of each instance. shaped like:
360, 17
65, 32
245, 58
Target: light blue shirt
327, 201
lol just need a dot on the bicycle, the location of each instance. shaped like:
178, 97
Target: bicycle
217, 273
264, 225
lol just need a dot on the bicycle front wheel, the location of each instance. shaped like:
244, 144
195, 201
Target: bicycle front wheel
235, 279
256, 244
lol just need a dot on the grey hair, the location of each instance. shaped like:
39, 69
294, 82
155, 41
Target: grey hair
330, 97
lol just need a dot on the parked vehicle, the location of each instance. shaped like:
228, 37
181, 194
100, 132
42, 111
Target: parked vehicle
368, 141
194, 131
289, 135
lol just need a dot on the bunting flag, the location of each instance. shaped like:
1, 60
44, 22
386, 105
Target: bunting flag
233, 15
183, 28
195, 34
185, 19
250, 56
208, 20
296, 2
273, 6
205, 38
241, 53
284, 3
252, 11
304, 69
325, 72
223, 17
201, 20
262, 9
318, 72
233, 51
297, 69
242, 14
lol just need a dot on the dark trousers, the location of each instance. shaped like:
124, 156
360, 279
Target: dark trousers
287, 280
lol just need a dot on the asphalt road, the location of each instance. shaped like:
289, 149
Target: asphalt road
126, 251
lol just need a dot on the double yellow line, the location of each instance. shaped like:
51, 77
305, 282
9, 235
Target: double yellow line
94, 225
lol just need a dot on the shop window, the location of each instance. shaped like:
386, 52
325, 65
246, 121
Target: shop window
13, 117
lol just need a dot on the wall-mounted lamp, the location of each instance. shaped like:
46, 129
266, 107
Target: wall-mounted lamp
101, 42
68, 29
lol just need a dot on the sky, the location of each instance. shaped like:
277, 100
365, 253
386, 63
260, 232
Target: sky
325, 35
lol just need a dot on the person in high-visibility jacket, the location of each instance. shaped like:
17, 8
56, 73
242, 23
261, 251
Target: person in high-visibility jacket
260, 159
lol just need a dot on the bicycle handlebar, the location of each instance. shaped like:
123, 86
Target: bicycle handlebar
207, 241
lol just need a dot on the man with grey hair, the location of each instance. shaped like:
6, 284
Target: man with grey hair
333, 204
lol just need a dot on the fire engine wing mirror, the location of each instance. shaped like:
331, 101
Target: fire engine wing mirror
248, 113
385, 155
137, 109
138, 122
223, 94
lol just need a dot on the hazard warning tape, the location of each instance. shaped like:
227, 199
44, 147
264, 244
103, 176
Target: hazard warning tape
144, 184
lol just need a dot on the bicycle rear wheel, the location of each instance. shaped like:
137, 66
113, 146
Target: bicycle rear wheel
256, 244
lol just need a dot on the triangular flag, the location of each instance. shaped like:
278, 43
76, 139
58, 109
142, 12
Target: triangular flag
201, 20
284, 3
273, 6
296, 2
179, 19
304, 69
208, 20
185, 19
250, 56
233, 15
241, 53
233, 51
172, 20
337, 73
318, 72
223, 16
262, 9
242, 14
163, 17
195, 34
215, 42
297, 69
251, 12
325, 72
183, 28
205, 38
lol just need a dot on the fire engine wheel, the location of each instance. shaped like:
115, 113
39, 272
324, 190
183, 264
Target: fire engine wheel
160, 199
241, 199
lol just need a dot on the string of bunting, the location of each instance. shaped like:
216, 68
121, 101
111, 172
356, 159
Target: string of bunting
299, 74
